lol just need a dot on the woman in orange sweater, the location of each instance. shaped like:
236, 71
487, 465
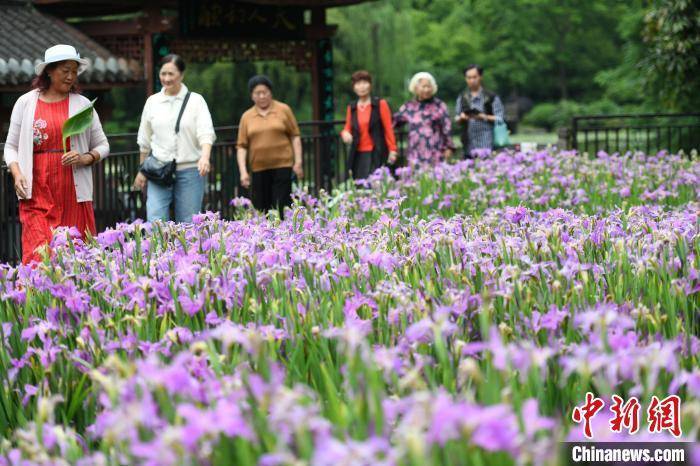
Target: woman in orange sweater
368, 129
269, 141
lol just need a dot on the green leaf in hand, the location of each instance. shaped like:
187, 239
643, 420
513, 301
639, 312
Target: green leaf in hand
78, 123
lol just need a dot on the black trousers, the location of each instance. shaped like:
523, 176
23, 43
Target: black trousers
362, 165
272, 189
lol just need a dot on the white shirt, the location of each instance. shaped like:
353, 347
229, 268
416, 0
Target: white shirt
157, 129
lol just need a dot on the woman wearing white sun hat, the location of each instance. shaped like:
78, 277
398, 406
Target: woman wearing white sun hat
54, 188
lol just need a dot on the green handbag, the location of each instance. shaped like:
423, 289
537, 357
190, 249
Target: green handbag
500, 134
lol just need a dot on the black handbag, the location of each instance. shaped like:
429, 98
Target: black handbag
156, 170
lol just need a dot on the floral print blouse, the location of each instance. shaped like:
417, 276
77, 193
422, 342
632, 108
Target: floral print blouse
40, 135
429, 130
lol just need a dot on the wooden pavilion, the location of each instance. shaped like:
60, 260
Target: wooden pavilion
294, 31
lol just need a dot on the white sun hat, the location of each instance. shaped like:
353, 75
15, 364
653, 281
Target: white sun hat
61, 52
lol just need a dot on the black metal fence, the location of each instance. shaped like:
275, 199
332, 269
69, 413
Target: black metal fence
646, 132
115, 200
324, 157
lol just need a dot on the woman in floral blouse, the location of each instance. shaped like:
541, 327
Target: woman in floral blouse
429, 125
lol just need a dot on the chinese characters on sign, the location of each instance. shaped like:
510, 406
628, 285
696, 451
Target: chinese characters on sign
662, 415
228, 19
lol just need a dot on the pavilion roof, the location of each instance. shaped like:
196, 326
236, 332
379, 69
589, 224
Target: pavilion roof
25, 33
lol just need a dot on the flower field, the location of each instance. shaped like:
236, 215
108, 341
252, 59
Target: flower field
455, 315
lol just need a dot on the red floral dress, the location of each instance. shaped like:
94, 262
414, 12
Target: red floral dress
54, 202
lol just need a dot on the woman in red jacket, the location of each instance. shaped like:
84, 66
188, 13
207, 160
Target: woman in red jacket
368, 129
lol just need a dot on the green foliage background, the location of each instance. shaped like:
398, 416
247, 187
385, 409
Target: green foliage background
566, 56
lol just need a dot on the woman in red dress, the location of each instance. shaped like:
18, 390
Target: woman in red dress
54, 188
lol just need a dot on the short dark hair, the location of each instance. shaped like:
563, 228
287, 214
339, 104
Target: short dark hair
258, 80
361, 75
43, 81
174, 59
478, 69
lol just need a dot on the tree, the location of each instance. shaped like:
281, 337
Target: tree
672, 60
581, 50
377, 37
622, 83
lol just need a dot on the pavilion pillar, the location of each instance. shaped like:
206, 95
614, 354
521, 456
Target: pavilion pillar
322, 67
322, 97
157, 31
148, 67
161, 47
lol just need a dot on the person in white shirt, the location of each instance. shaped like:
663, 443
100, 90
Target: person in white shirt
190, 148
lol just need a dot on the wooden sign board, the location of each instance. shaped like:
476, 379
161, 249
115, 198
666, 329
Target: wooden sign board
221, 18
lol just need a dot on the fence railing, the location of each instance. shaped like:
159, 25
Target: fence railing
645, 132
115, 200
324, 159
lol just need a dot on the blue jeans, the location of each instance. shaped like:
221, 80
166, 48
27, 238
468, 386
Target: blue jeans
187, 193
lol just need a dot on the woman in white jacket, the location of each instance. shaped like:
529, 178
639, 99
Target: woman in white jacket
54, 188
190, 148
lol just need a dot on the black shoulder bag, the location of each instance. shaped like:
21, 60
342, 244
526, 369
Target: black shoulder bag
156, 170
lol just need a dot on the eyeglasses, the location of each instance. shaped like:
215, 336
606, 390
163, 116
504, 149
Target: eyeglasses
261, 93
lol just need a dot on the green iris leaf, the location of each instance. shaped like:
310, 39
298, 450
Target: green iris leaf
78, 123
